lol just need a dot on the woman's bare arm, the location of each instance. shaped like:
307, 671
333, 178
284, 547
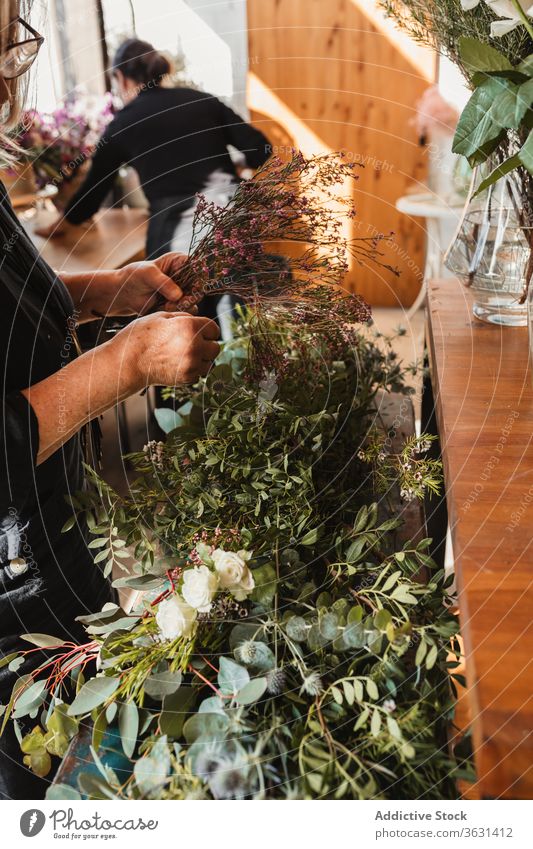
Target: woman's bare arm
161, 349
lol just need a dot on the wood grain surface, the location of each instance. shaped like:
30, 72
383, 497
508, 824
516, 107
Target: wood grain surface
484, 405
336, 75
112, 239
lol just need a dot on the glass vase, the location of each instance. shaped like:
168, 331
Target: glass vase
492, 249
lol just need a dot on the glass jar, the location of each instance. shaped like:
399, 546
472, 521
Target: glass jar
492, 249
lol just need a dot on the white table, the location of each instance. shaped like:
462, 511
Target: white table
442, 219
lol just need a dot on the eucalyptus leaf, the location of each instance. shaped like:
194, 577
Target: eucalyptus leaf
62, 793
140, 582
175, 710
151, 771
92, 694
99, 729
213, 704
168, 419
128, 723
95, 787
212, 725
29, 698
42, 640
60, 721
265, 579
161, 684
232, 677
252, 691
242, 632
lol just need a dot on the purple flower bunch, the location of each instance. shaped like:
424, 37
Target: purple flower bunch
283, 247
57, 143
282, 234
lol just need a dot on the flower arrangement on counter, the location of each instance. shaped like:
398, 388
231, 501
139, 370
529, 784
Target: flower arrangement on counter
289, 643
58, 143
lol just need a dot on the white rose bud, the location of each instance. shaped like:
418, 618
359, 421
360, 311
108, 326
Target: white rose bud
199, 587
233, 572
175, 618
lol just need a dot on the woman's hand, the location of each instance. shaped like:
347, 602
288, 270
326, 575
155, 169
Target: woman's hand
161, 349
135, 289
145, 285
165, 349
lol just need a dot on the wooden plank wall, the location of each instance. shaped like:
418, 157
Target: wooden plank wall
335, 74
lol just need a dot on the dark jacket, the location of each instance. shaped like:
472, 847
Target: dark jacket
175, 139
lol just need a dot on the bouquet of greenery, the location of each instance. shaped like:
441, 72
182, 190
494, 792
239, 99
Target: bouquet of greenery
440, 24
285, 645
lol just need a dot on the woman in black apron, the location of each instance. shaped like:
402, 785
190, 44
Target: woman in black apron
49, 395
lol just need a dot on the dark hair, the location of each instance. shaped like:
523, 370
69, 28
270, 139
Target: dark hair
140, 61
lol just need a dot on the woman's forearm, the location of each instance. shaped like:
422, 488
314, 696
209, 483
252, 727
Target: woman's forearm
79, 392
161, 349
94, 293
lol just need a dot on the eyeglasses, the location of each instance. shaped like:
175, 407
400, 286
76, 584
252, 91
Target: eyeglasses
21, 55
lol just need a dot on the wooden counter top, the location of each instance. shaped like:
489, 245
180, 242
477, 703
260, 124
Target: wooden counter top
112, 239
484, 406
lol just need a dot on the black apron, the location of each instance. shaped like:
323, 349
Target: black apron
46, 578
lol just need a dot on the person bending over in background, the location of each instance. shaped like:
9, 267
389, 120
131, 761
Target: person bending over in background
177, 140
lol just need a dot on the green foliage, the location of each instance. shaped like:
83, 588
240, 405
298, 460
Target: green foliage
332, 678
283, 471
39, 745
497, 120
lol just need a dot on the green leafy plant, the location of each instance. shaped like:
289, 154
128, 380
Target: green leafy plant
291, 644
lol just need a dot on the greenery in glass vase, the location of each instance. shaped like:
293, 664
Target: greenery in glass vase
292, 645
492, 43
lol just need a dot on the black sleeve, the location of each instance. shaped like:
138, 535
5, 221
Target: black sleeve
244, 137
19, 444
105, 163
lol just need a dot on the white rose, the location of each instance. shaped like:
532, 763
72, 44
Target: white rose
233, 572
175, 618
199, 587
